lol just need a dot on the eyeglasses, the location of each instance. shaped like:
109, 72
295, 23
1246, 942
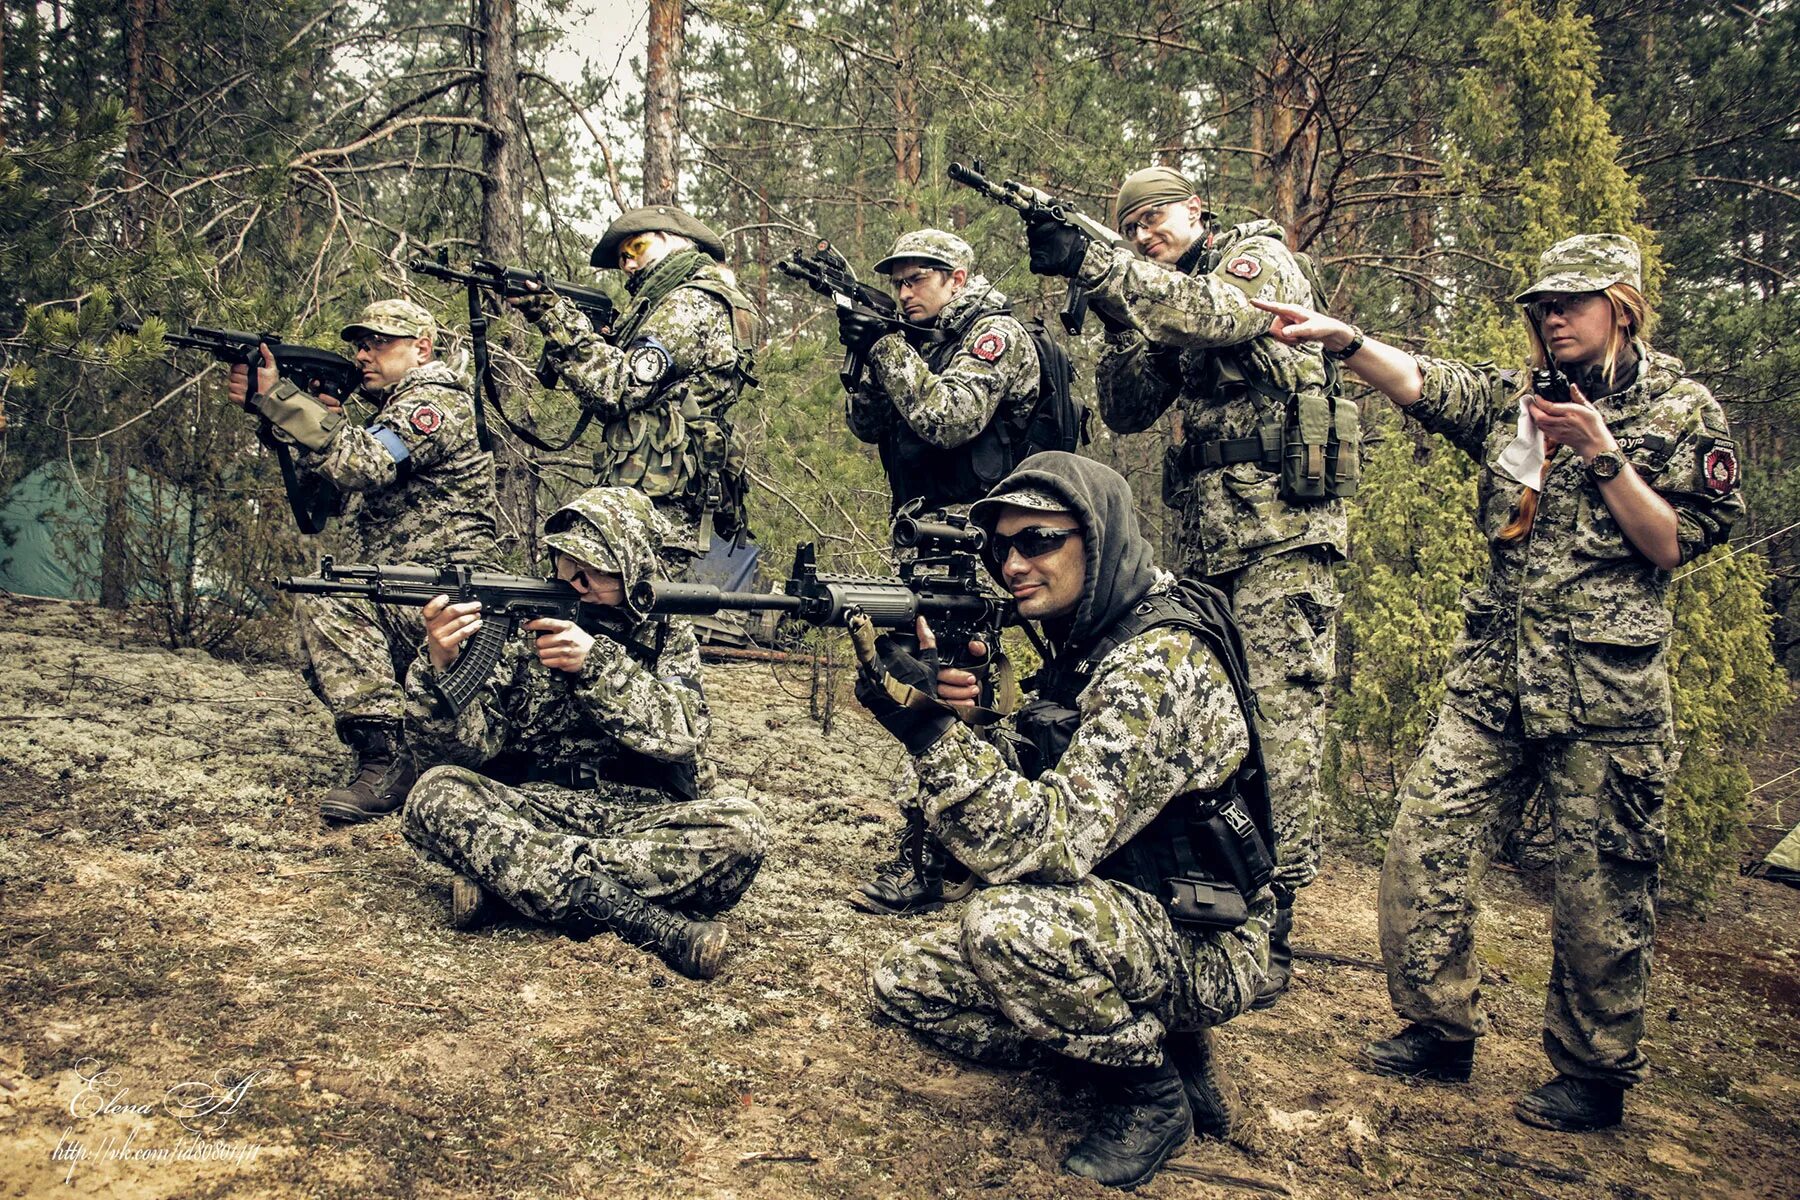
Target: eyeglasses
635, 248
1151, 219
1035, 542
1557, 306
368, 343
901, 283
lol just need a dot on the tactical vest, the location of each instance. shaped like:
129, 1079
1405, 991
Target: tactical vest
1183, 841
721, 483
1312, 441
917, 469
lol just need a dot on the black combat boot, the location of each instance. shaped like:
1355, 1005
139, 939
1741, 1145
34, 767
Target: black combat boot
1212, 1094
921, 878
384, 773
1418, 1053
1281, 953
695, 948
1144, 1120
1570, 1105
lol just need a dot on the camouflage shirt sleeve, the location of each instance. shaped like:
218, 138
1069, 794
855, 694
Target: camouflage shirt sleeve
1135, 382
1158, 719
1173, 308
481, 731
1699, 478
659, 712
1462, 401
996, 365
688, 334
871, 414
427, 420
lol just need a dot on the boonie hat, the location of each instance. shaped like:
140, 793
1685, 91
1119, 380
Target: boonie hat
656, 218
1587, 262
391, 318
933, 246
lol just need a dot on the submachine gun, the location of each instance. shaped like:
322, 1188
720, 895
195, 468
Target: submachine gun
1034, 205
308, 368
485, 275
826, 271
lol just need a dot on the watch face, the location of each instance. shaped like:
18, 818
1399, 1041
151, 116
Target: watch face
1606, 466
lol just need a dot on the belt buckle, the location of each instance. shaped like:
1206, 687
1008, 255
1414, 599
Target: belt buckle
584, 775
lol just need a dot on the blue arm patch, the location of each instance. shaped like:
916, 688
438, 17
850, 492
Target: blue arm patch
647, 361
390, 441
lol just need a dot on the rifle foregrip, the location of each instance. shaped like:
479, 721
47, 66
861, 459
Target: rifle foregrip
463, 681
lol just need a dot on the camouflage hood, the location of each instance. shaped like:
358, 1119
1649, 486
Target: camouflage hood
612, 528
977, 298
1120, 560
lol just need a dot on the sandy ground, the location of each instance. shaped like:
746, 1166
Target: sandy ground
206, 994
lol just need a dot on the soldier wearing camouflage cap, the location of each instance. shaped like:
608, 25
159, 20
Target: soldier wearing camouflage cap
1095, 939
948, 400
1559, 685
664, 379
580, 793
1182, 332
424, 494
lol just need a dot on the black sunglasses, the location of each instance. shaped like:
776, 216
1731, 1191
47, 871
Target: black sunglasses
1558, 306
1035, 542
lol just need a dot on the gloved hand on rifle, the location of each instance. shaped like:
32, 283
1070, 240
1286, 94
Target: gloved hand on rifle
533, 303
899, 688
859, 329
1056, 248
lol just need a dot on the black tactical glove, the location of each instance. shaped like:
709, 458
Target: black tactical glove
899, 689
1056, 248
859, 329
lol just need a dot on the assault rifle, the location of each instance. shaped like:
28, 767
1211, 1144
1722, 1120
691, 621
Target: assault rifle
1035, 205
485, 275
308, 368
507, 602
945, 584
826, 271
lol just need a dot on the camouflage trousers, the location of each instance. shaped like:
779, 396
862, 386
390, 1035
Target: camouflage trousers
528, 845
1286, 605
357, 653
1460, 800
1093, 970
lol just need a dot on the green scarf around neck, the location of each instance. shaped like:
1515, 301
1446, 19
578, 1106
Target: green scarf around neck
658, 282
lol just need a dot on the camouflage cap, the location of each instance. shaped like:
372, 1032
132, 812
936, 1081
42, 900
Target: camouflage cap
1587, 262
657, 218
1152, 185
932, 246
393, 318
986, 512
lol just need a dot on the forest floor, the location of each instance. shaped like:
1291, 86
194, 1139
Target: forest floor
174, 914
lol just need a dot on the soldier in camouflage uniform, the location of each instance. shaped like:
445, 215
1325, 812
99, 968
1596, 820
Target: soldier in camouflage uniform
579, 791
1560, 680
1072, 810
421, 490
664, 380
946, 402
1182, 331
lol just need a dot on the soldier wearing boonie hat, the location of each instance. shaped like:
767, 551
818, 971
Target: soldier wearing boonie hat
1558, 687
663, 381
948, 397
1183, 333
427, 497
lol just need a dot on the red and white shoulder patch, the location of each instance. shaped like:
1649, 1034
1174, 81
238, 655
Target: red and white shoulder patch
989, 346
1244, 267
1721, 469
426, 418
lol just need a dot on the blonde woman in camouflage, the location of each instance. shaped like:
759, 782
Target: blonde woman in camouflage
1560, 679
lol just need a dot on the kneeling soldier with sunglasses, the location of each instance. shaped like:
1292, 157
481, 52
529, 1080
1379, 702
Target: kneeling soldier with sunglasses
1118, 818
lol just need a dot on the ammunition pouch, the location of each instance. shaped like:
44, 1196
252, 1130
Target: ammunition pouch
1314, 450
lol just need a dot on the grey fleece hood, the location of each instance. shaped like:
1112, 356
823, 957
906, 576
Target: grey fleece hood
1120, 560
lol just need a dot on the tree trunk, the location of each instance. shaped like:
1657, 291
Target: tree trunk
908, 117
2, 77
503, 239
115, 518
662, 102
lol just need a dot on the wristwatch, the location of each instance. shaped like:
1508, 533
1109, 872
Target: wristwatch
1605, 465
1349, 351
